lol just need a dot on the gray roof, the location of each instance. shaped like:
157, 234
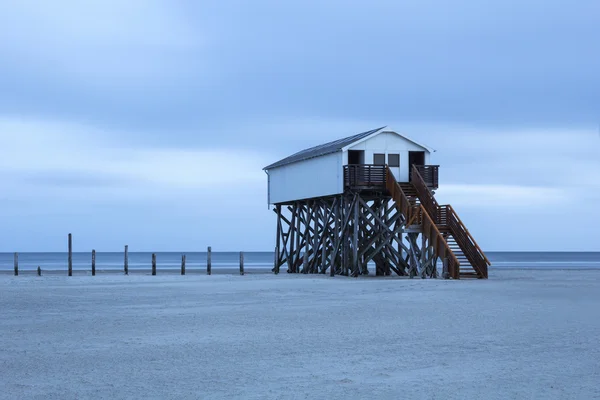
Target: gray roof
323, 149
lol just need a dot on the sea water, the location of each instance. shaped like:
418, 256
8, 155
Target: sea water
259, 261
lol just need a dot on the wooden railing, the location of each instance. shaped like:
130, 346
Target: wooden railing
365, 175
439, 244
398, 195
467, 243
425, 196
417, 215
447, 217
429, 174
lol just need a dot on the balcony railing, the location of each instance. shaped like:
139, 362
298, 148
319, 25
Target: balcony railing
430, 174
365, 176
373, 176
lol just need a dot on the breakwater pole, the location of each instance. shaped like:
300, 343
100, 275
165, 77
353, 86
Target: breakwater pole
209, 261
183, 269
70, 259
126, 261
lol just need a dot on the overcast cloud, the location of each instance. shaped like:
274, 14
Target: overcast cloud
148, 122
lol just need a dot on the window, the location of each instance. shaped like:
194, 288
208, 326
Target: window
379, 159
394, 160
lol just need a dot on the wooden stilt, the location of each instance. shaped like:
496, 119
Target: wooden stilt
70, 256
344, 234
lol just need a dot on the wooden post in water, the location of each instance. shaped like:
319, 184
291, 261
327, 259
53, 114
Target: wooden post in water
126, 261
16, 262
70, 255
153, 263
39, 271
241, 263
93, 262
183, 264
209, 261
276, 261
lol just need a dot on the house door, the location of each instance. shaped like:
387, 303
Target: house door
415, 158
356, 157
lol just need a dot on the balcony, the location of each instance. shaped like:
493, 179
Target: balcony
373, 177
365, 176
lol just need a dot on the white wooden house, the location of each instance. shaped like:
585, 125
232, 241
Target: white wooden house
319, 171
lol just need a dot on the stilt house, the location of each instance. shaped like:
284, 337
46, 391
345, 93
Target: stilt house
366, 200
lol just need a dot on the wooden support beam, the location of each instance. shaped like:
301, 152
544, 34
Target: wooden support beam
355, 239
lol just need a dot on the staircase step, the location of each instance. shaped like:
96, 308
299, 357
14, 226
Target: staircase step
468, 275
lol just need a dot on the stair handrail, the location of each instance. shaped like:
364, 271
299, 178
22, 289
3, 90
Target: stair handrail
471, 238
425, 195
398, 194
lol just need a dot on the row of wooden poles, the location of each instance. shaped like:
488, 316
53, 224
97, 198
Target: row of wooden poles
126, 261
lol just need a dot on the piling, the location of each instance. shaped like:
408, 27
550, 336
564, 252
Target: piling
209, 261
153, 264
39, 271
305, 262
241, 263
16, 263
70, 255
93, 262
126, 261
276, 260
183, 264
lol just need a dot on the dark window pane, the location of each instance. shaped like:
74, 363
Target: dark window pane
379, 159
394, 160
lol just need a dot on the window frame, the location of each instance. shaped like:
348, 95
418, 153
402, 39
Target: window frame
375, 157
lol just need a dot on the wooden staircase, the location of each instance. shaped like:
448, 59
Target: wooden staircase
410, 192
415, 213
465, 269
472, 262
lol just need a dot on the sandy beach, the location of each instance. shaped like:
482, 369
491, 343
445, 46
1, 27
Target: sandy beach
519, 335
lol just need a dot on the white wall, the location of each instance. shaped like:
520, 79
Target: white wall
388, 142
320, 176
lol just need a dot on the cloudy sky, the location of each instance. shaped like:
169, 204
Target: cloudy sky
148, 122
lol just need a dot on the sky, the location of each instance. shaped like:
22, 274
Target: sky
148, 122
